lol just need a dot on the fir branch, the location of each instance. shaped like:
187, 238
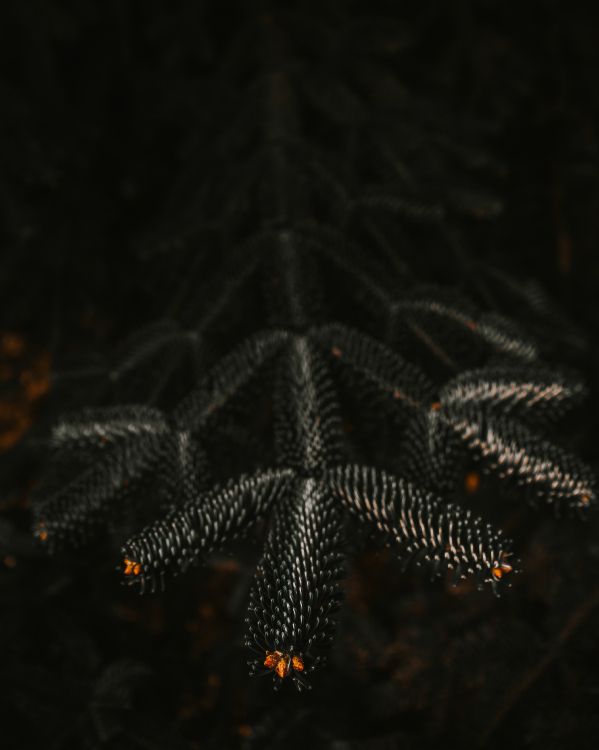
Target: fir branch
206, 522
422, 525
296, 590
92, 429
513, 452
307, 418
372, 362
230, 374
77, 511
536, 394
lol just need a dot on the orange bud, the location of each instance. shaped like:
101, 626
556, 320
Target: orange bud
500, 570
41, 532
283, 666
272, 659
297, 663
132, 568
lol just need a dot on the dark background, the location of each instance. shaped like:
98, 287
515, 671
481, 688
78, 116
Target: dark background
99, 104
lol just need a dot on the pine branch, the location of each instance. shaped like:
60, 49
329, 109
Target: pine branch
93, 429
206, 522
436, 318
75, 513
536, 394
373, 363
431, 454
233, 371
317, 158
422, 525
307, 420
296, 589
513, 452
